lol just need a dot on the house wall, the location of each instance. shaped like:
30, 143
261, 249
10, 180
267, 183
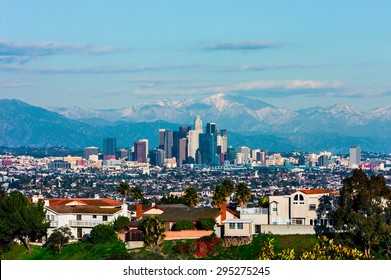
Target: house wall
287, 229
153, 211
246, 231
282, 214
229, 216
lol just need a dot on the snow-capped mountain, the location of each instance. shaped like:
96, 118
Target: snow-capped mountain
246, 115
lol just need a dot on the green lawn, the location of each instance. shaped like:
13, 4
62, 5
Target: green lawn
88, 251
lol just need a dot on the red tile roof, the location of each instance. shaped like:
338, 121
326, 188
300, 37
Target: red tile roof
83, 209
313, 191
84, 201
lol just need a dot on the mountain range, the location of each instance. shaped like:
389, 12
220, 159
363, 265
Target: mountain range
249, 122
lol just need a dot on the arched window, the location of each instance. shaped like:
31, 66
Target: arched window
298, 199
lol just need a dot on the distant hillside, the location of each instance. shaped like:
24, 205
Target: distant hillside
24, 125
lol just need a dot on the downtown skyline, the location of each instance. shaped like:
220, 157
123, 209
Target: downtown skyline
294, 55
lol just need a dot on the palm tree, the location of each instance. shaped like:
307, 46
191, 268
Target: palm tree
136, 193
123, 189
219, 196
191, 197
154, 228
242, 194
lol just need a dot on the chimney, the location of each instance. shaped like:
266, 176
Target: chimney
223, 208
139, 211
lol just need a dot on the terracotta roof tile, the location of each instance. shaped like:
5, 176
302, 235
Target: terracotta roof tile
83, 209
85, 201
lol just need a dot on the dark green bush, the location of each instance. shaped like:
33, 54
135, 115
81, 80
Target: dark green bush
183, 225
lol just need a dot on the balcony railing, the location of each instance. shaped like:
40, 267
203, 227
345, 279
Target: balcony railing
85, 223
53, 223
252, 211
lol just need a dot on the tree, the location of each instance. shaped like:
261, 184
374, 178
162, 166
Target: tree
59, 238
206, 223
136, 193
228, 187
153, 228
22, 219
363, 217
183, 225
242, 194
120, 224
191, 197
123, 189
103, 233
222, 192
264, 202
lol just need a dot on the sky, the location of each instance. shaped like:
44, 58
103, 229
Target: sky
114, 54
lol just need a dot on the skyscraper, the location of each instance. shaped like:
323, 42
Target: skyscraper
140, 150
210, 128
207, 148
355, 155
161, 138
179, 150
198, 124
157, 157
192, 145
88, 151
109, 146
168, 143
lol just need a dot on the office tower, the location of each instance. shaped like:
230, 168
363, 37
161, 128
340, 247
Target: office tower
207, 148
184, 128
210, 128
355, 155
223, 132
140, 151
198, 124
157, 157
88, 151
109, 146
161, 138
122, 154
168, 143
224, 144
239, 158
254, 154
261, 156
230, 155
192, 145
323, 160
245, 151
179, 148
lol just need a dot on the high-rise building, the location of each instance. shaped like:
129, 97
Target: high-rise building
245, 151
207, 148
198, 124
254, 154
192, 145
168, 143
210, 128
157, 157
323, 160
355, 155
179, 148
88, 151
140, 150
122, 154
109, 146
161, 138
184, 128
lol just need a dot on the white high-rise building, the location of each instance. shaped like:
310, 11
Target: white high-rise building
355, 155
254, 154
193, 143
198, 124
224, 144
245, 151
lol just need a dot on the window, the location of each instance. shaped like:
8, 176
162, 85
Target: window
78, 217
311, 222
240, 225
231, 226
313, 207
94, 216
104, 218
274, 221
257, 228
274, 207
297, 221
298, 199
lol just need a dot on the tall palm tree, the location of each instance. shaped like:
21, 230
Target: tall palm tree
123, 189
136, 193
242, 194
154, 228
219, 196
191, 197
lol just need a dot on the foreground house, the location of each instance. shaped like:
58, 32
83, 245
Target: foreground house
82, 214
295, 213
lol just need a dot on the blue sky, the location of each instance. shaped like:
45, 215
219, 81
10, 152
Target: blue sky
113, 54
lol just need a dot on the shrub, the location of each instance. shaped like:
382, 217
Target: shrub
206, 224
121, 223
103, 234
183, 225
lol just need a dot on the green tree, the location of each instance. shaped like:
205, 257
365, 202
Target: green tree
103, 233
58, 239
206, 224
264, 202
191, 197
21, 219
228, 187
218, 196
363, 217
123, 189
121, 223
136, 193
242, 194
183, 225
154, 231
